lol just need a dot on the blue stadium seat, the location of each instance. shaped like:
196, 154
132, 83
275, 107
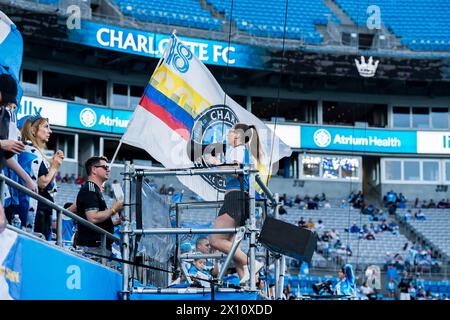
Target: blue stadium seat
267, 18
187, 13
420, 19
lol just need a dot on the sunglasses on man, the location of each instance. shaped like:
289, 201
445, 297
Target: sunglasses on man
104, 166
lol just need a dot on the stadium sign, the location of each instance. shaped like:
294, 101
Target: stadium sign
55, 111
353, 139
289, 134
150, 44
433, 142
98, 119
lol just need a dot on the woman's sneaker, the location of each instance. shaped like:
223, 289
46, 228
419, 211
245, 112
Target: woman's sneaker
246, 277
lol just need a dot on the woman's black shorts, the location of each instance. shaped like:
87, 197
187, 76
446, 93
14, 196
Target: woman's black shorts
236, 207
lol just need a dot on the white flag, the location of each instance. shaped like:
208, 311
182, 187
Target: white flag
184, 108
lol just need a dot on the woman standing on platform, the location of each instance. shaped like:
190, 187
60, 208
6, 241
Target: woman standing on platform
243, 142
35, 134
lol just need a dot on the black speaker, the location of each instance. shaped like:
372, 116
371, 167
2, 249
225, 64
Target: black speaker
288, 239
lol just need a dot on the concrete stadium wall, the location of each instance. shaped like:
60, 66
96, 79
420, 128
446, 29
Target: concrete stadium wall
413, 191
332, 189
69, 168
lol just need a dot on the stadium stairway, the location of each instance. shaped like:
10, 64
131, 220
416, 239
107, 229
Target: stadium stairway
342, 16
218, 15
348, 24
433, 231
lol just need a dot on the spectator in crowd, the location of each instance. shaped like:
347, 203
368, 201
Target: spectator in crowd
391, 272
399, 263
443, 204
35, 134
374, 229
91, 206
391, 287
367, 290
343, 204
202, 245
297, 199
390, 198
365, 229
79, 180
58, 177
376, 215
370, 236
65, 179
170, 190
319, 227
420, 216
407, 215
310, 224
420, 294
393, 227
326, 204
282, 210
198, 273
403, 286
416, 203
419, 281
389, 261
431, 204
401, 201
72, 178
412, 291
323, 197
384, 226
325, 237
10, 146
312, 205
368, 209
334, 234
392, 208
424, 204
358, 201
302, 223
354, 228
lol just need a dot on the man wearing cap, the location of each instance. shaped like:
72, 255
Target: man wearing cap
10, 144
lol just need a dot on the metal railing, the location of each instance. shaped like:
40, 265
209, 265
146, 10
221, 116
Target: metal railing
131, 173
60, 211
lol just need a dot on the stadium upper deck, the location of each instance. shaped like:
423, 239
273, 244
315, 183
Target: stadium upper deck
401, 25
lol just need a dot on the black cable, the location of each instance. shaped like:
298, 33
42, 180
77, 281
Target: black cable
278, 90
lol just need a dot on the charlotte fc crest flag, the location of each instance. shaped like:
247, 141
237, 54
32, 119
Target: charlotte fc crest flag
11, 50
183, 107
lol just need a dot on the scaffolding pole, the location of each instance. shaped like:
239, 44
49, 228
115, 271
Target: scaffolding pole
252, 229
126, 233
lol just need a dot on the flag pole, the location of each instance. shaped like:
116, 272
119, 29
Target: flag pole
120, 142
115, 154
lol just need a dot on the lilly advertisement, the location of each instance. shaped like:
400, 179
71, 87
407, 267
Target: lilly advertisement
356, 139
152, 45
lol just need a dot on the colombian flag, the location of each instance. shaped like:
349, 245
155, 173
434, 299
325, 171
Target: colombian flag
183, 104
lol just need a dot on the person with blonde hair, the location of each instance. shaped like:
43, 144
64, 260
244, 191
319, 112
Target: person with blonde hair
243, 143
35, 134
